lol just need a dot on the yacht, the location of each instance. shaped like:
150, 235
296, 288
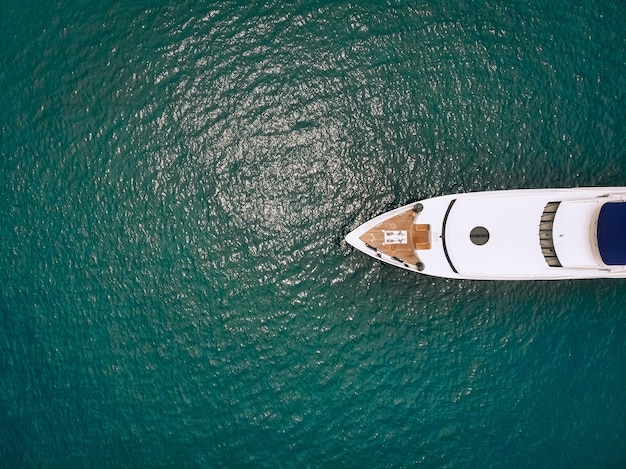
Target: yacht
526, 234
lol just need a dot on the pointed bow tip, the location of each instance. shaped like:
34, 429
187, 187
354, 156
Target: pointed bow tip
352, 239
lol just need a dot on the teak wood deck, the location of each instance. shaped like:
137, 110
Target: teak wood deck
417, 237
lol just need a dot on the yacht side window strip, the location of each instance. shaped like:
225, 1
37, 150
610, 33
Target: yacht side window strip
546, 239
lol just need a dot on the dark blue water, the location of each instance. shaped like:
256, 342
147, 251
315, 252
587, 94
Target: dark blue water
176, 179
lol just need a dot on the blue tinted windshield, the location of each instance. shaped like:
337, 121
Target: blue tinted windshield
612, 233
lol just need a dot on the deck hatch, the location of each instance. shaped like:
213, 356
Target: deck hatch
395, 237
479, 235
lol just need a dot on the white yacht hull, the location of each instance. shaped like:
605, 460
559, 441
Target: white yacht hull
527, 234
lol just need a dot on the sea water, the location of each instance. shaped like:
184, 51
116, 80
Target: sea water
177, 178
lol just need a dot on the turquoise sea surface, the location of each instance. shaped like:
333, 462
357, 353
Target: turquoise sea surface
177, 178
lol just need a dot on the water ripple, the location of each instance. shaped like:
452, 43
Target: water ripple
178, 179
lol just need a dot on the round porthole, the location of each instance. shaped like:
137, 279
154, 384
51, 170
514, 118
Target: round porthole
479, 235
